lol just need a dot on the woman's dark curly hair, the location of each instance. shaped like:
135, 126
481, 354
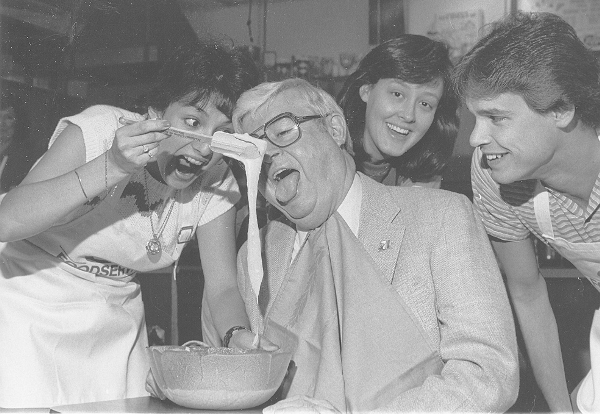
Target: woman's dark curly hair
204, 71
412, 59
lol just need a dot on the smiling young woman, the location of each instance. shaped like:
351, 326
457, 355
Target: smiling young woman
402, 112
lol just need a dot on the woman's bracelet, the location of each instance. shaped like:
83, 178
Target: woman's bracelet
229, 334
81, 184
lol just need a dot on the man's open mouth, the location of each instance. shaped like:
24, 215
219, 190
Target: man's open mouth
286, 182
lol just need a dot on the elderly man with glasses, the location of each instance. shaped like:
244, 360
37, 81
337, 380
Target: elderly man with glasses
390, 298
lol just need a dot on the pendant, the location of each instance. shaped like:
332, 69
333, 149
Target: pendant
153, 246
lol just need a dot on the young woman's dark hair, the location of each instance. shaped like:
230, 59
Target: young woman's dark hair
189, 76
413, 59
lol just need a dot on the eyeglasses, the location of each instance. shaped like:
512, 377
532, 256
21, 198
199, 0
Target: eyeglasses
283, 130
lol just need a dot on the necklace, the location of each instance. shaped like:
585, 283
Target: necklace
154, 246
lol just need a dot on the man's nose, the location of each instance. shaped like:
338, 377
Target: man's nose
271, 152
267, 159
479, 136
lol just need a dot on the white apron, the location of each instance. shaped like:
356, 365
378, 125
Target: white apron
586, 258
66, 339
72, 324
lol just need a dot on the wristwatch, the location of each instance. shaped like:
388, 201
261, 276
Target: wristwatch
229, 334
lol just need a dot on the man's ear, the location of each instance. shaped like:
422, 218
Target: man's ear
339, 130
364, 91
563, 117
154, 114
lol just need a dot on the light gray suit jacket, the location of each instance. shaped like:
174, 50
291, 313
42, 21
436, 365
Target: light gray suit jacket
440, 261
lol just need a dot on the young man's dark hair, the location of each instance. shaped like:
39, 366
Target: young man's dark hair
539, 57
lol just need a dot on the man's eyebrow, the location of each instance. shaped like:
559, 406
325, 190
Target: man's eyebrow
493, 111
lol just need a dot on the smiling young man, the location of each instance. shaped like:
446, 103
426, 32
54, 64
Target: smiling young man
534, 90
372, 287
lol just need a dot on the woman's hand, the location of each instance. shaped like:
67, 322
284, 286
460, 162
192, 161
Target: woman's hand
301, 404
136, 144
245, 339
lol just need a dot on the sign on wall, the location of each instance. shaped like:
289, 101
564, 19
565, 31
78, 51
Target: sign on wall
460, 30
583, 15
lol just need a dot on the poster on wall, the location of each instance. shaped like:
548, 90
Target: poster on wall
460, 30
583, 15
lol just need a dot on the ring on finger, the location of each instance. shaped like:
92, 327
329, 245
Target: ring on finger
146, 149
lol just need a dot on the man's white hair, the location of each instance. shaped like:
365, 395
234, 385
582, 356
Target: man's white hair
319, 101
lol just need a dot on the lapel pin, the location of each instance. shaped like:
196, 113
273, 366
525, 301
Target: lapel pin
384, 245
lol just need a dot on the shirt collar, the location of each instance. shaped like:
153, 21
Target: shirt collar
350, 207
349, 210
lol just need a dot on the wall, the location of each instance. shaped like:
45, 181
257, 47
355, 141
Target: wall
419, 13
294, 27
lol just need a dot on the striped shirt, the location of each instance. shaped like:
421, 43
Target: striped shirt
507, 209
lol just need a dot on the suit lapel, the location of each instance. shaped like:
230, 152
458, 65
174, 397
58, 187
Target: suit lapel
381, 226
